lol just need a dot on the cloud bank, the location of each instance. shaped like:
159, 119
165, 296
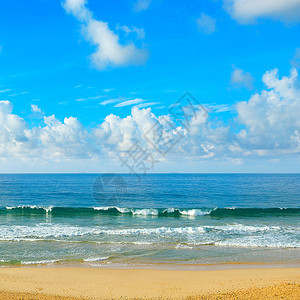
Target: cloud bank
267, 125
109, 50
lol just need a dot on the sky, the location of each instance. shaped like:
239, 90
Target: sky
93, 86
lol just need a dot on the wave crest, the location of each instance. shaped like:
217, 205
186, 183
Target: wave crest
158, 212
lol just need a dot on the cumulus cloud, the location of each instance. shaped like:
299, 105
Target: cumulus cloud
15, 137
78, 9
56, 139
240, 78
121, 133
272, 117
109, 50
65, 139
249, 11
206, 24
267, 125
70, 140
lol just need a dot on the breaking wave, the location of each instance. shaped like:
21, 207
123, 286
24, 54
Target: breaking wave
159, 212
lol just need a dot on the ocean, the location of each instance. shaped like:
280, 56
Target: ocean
108, 219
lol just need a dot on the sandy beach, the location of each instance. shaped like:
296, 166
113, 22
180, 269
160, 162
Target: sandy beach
98, 283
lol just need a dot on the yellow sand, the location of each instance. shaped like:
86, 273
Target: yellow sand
96, 283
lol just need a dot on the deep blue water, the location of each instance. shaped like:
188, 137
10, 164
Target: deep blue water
164, 218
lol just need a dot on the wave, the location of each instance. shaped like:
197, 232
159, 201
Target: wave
254, 243
16, 262
31, 210
52, 232
40, 232
95, 259
185, 237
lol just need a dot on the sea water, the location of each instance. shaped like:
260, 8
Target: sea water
154, 219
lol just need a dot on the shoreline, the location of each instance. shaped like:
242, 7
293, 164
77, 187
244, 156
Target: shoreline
158, 266
104, 283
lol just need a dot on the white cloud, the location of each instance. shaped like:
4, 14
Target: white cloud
248, 11
129, 102
241, 78
272, 117
147, 104
18, 94
4, 91
95, 97
56, 139
35, 108
107, 90
109, 101
14, 134
219, 108
90, 98
65, 139
138, 31
267, 125
109, 51
295, 62
120, 134
142, 5
206, 24
78, 9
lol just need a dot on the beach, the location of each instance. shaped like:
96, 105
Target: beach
100, 283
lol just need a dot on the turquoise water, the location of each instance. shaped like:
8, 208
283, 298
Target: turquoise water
165, 218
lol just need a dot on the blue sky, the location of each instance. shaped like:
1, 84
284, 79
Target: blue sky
218, 51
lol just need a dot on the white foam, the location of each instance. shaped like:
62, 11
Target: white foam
145, 212
122, 210
93, 259
45, 230
155, 212
183, 246
160, 230
194, 212
40, 262
249, 242
241, 228
47, 209
53, 231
